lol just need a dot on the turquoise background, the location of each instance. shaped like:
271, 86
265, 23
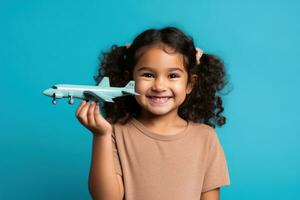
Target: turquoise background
46, 153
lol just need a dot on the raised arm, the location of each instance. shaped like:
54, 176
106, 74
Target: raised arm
104, 183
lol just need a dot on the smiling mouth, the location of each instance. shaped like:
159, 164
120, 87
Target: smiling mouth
159, 100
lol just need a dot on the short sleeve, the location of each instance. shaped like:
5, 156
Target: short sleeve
117, 162
216, 173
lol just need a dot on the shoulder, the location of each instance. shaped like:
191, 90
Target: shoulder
202, 129
205, 132
121, 127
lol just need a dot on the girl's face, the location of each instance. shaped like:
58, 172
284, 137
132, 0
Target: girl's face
161, 80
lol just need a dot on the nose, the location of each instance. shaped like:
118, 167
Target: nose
159, 85
48, 92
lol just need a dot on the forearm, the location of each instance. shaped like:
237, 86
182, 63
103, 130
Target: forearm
103, 182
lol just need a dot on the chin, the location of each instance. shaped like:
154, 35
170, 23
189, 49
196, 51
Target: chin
158, 111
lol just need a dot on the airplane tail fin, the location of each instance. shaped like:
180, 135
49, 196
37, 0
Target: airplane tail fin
129, 88
104, 82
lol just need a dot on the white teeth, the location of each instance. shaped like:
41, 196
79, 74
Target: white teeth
159, 99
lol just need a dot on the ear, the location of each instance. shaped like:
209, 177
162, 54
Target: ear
190, 85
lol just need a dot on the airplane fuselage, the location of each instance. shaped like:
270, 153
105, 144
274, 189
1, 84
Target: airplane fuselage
77, 91
102, 91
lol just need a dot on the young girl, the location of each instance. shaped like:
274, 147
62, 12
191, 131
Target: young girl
161, 144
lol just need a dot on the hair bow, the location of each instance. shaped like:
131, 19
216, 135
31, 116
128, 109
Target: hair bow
199, 53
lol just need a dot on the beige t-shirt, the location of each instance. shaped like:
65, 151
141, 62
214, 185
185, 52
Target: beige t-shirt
168, 167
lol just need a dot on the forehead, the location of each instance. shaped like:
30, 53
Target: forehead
159, 57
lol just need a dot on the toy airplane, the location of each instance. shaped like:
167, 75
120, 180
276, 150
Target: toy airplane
101, 91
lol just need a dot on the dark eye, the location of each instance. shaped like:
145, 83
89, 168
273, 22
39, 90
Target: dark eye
148, 75
174, 75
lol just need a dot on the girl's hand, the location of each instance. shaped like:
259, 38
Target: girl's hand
89, 116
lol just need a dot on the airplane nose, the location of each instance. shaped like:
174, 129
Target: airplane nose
48, 92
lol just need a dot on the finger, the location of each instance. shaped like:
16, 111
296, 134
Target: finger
97, 114
80, 107
82, 115
90, 115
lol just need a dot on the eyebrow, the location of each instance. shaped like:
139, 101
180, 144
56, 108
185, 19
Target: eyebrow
169, 69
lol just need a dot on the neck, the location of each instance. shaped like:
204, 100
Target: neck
160, 121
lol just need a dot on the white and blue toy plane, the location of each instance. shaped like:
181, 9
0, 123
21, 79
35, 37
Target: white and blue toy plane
101, 91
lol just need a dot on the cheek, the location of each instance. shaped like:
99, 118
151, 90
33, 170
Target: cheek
141, 87
179, 87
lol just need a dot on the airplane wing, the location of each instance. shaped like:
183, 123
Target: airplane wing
93, 96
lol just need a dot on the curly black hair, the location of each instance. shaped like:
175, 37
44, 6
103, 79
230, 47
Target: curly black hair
202, 105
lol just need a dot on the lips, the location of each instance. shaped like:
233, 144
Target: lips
159, 99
